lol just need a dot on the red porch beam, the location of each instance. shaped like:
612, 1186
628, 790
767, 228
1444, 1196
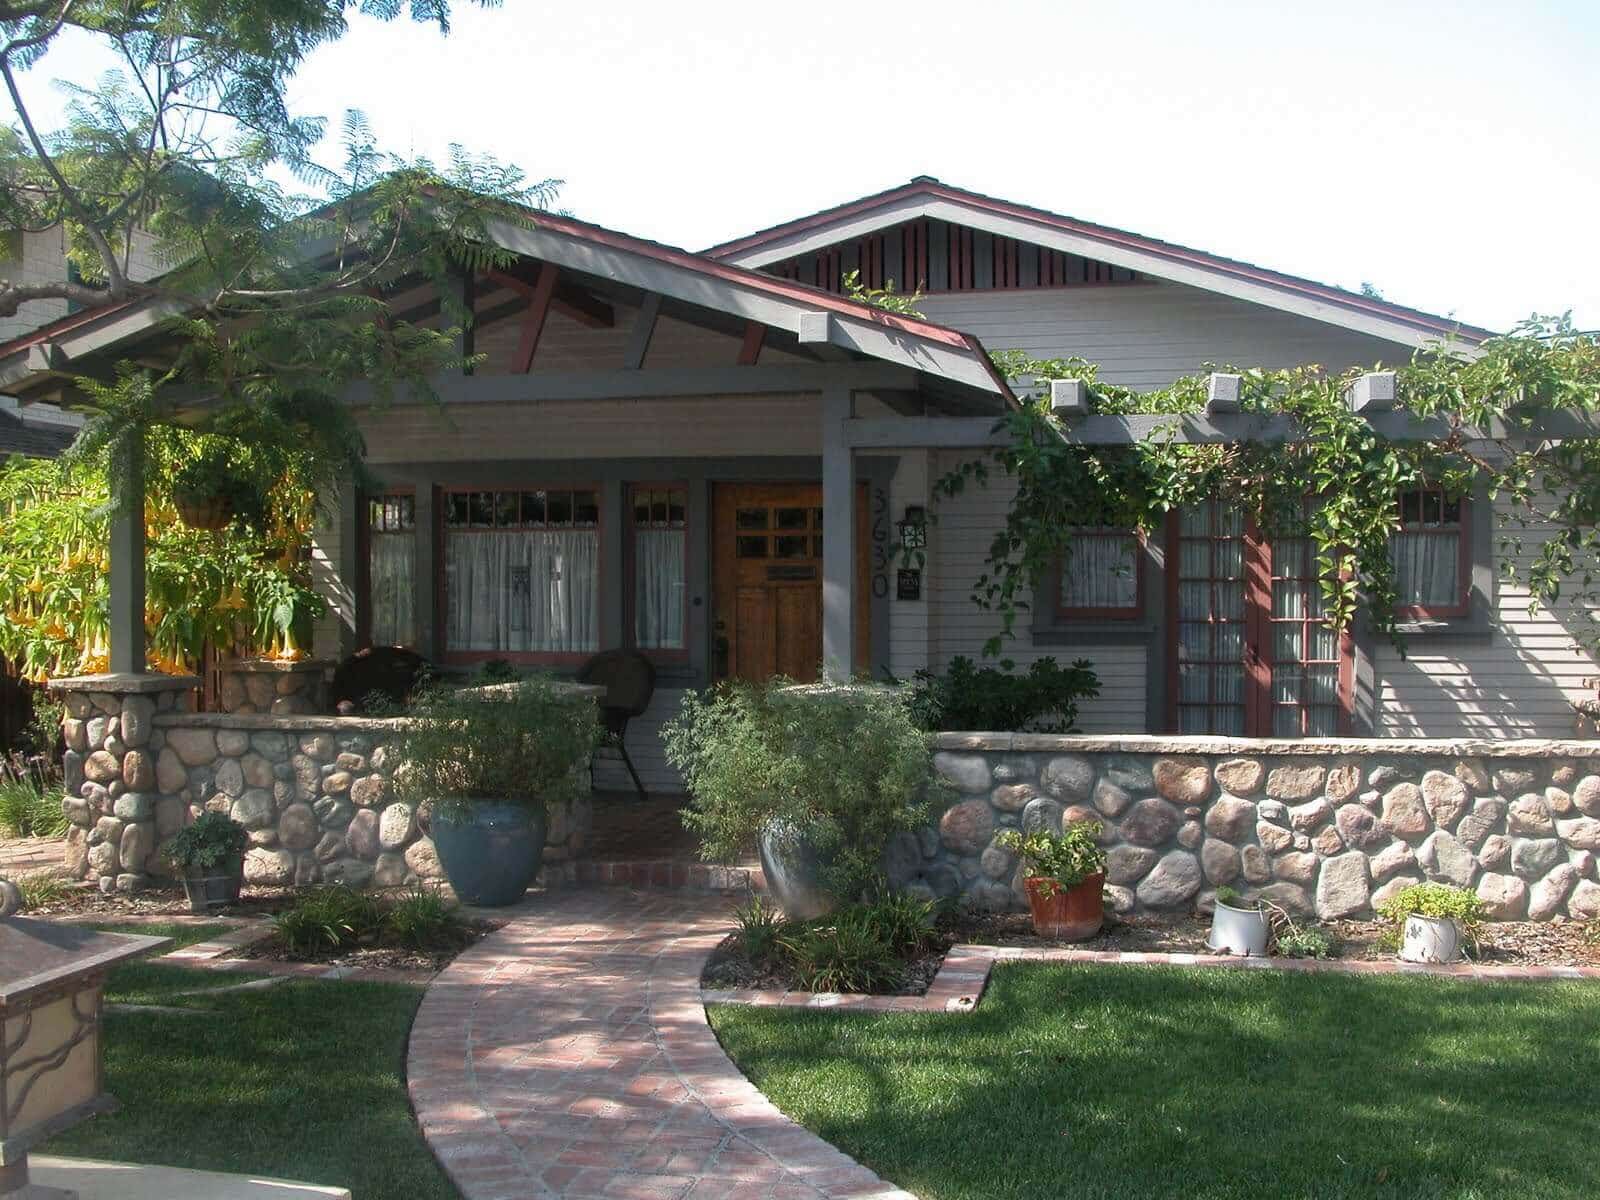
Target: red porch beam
755, 333
539, 297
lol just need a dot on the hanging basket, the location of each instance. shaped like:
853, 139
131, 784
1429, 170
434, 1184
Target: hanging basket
213, 512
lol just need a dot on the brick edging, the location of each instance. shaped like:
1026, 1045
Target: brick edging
962, 978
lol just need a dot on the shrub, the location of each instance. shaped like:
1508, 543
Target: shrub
906, 923
29, 810
1233, 899
1065, 859
843, 954
525, 746
1310, 942
39, 888
424, 920
211, 841
837, 769
1438, 900
967, 697
328, 918
762, 926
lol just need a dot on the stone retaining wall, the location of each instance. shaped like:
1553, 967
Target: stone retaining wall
315, 792
1324, 828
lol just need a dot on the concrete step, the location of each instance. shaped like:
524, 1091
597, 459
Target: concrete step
93, 1179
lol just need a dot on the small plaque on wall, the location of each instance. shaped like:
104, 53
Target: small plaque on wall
909, 584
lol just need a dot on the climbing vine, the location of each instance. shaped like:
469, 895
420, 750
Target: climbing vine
1336, 484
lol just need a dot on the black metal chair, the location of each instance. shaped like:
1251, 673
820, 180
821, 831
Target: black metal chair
630, 680
389, 671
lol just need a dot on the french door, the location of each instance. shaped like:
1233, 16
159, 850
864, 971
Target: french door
1249, 654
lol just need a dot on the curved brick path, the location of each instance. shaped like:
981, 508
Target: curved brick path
568, 1055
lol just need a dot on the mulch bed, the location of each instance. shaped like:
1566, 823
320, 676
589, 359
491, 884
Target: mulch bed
83, 901
374, 956
1513, 943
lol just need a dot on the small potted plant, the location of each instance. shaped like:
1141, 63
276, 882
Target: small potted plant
786, 768
482, 769
209, 858
1239, 926
1432, 921
210, 490
1065, 876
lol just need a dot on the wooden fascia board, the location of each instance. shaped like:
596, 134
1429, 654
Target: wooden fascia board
874, 339
1158, 266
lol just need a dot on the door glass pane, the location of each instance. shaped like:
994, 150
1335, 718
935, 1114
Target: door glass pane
751, 547
792, 547
1322, 722
1285, 721
1194, 601
791, 518
1286, 641
1230, 559
750, 518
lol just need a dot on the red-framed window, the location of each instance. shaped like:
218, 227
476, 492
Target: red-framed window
388, 611
1249, 652
522, 574
658, 561
1432, 554
1099, 576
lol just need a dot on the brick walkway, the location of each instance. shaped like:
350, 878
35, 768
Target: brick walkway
20, 856
568, 1055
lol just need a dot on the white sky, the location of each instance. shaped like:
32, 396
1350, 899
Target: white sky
1446, 152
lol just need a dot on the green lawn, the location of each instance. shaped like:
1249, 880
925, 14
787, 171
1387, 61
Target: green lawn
304, 1079
1077, 1082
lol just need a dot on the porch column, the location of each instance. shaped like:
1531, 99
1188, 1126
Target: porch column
838, 538
426, 569
126, 552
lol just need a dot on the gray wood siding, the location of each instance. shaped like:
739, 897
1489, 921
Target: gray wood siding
1145, 335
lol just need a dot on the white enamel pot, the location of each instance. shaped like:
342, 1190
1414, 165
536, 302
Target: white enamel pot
1242, 931
1430, 940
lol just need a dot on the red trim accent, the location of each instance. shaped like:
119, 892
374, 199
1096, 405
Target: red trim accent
755, 333
1257, 562
1170, 251
1463, 532
533, 319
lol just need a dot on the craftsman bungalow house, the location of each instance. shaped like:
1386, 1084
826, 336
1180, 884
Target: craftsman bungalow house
709, 457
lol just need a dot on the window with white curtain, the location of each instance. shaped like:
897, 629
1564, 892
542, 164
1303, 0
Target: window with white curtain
1427, 553
1100, 574
660, 541
391, 574
522, 572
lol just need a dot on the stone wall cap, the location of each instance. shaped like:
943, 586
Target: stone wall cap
1146, 743
124, 684
278, 665
313, 723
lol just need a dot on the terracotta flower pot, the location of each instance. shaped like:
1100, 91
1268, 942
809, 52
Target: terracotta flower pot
1068, 914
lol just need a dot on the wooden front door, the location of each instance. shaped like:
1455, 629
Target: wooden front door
766, 554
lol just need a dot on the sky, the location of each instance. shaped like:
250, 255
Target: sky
1444, 152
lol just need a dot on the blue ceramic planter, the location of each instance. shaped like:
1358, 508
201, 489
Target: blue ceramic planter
791, 866
491, 854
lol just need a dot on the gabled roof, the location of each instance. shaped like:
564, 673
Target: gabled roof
925, 196
21, 433
945, 354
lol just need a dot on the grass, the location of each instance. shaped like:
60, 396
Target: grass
41, 887
29, 810
1095, 1082
304, 1080
181, 935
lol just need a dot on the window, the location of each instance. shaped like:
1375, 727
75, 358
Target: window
660, 540
1210, 644
522, 572
391, 570
1100, 575
1429, 554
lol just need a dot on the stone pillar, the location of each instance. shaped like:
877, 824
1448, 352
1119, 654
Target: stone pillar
269, 685
839, 541
123, 783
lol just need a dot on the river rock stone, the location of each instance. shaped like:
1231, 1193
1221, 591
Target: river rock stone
170, 814
1129, 864
137, 713
1275, 839
1505, 897
352, 872
257, 770
138, 770
135, 806
965, 828
1303, 818
232, 742
1191, 834
1388, 891
102, 767
389, 870
137, 845
1295, 782
396, 824
1533, 858
1404, 813
1012, 797
1529, 815
1472, 773
1296, 867
423, 860
1173, 881
297, 827
1292, 898
1220, 862
1392, 859
1495, 852
965, 772
1068, 778
1359, 828
1586, 795
902, 858
361, 838
1581, 833
1130, 774
269, 867
319, 746
230, 777
1559, 801
1183, 781
1446, 799
1240, 776
1344, 782
1584, 902
1328, 842
253, 809
1343, 889
1484, 818
1256, 865
1275, 811
1151, 822
1445, 859
370, 791
1110, 799
996, 862
170, 775
1547, 896
1231, 819
195, 747
1509, 781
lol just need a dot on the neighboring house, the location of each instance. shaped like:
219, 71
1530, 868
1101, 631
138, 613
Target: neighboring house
35, 430
27, 256
706, 457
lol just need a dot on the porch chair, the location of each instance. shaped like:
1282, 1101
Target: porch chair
630, 680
